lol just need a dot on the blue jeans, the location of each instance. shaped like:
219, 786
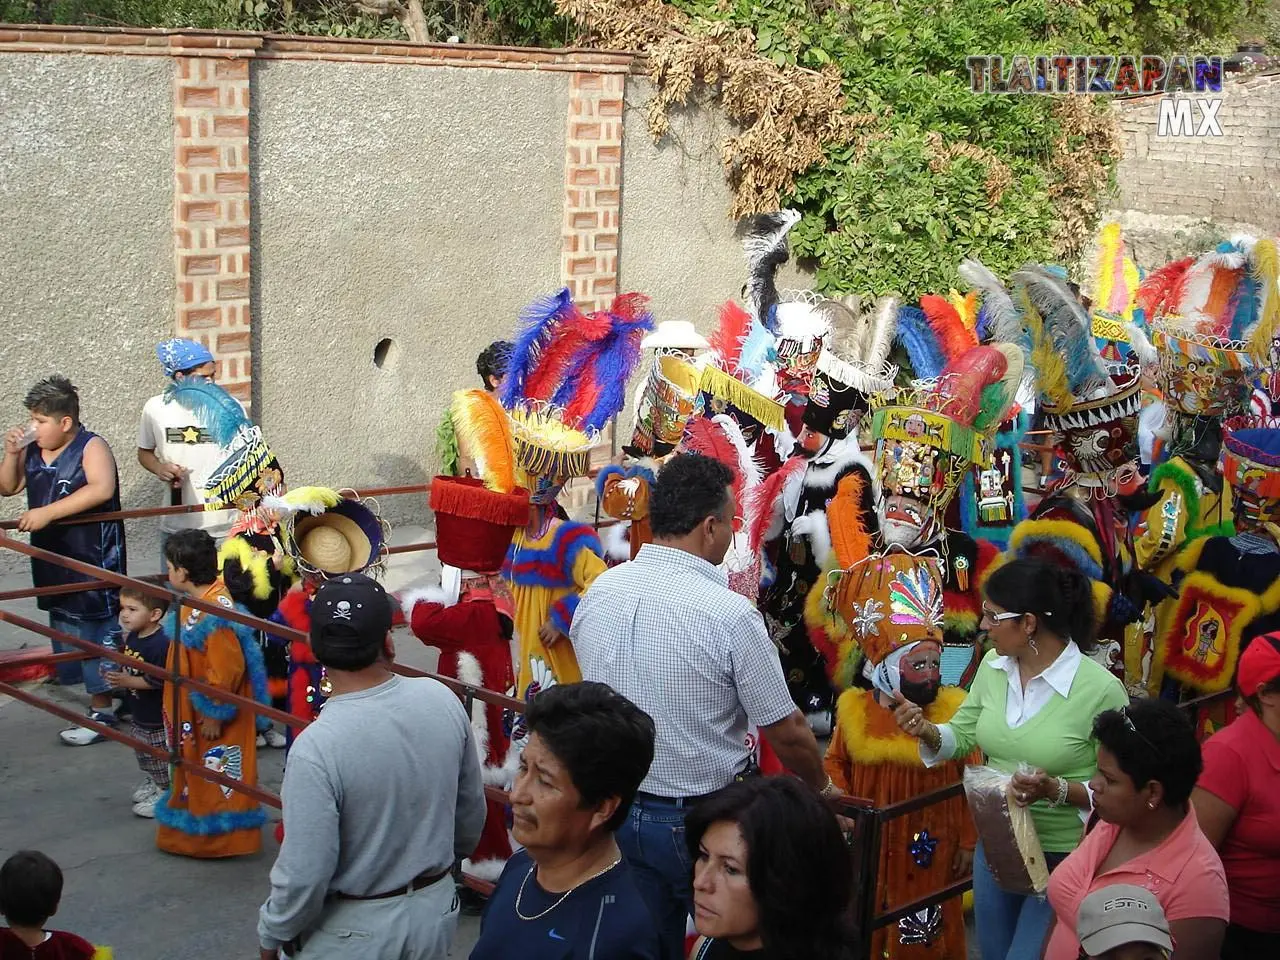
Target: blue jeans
652, 840
86, 671
1010, 926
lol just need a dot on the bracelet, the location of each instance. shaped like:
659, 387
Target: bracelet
830, 790
932, 737
1061, 798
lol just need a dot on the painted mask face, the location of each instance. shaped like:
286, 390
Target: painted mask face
1101, 449
902, 519
920, 673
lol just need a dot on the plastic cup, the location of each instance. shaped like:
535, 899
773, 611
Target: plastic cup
28, 436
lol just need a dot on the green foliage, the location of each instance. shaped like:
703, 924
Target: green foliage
900, 211
529, 23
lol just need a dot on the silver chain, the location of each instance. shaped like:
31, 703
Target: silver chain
563, 896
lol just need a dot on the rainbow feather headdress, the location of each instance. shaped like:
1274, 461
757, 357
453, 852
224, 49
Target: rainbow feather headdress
1115, 291
1214, 319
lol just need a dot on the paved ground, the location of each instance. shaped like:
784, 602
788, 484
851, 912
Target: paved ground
73, 804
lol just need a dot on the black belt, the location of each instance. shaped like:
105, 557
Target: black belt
422, 880
681, 802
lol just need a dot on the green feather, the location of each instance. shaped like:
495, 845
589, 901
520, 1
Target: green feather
447, 446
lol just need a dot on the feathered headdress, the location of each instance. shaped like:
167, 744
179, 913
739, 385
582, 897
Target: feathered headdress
766, 248
593, 388
953, 337
552, 330
1064, 353
1001, 319
485, 430
860, 341
218, 411
721, 438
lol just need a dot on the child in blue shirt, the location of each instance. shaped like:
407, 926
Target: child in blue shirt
147, 641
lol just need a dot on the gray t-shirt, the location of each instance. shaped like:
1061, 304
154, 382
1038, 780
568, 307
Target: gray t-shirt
383, 786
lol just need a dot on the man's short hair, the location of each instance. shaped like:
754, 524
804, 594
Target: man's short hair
603, 739
30, 888
493, 361
195, 552
689, 488
54, 396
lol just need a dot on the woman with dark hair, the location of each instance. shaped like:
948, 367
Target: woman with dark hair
1147, 834
1032, 703
772, 879
1238, 804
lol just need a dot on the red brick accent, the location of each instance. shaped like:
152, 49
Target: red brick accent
593, 171
211, 205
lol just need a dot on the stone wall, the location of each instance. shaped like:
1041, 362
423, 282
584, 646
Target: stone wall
1178, 194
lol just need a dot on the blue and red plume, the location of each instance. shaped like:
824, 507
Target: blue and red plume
550, 333
594, 390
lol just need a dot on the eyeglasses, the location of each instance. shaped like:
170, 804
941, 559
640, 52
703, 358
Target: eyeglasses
999, 617
1129, 725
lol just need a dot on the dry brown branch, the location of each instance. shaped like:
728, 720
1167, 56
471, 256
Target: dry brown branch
788, 116
1089, 143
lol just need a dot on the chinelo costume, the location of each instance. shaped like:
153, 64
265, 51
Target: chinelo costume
1227, 586
1204, 311
566, 381
1092, 408
468, 618
789, 513
665, 400
325, 534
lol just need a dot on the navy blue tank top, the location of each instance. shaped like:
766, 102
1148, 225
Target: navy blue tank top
101, 544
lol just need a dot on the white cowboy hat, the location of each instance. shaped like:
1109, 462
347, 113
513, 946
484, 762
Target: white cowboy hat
675, 334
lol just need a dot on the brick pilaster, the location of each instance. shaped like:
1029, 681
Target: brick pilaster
211, 214
593, 188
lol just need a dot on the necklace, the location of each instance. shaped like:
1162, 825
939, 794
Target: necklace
563, 896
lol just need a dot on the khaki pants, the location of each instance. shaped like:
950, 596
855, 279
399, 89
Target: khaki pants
417, 926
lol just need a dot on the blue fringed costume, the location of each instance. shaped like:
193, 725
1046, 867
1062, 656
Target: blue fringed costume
197, 817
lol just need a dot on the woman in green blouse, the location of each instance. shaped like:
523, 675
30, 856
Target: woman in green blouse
1032, 702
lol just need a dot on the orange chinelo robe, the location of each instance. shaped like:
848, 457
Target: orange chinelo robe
870, 757
197, 817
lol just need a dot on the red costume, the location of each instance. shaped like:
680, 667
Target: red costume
469, 621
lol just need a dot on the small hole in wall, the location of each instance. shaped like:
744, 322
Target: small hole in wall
385, 354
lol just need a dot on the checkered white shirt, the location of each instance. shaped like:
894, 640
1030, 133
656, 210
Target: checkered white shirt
666, 632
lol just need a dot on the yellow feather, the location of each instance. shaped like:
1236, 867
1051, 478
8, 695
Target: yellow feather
1131, 282
1051, 371
484, 431
852, 719
1104, 268
1266, 270
254, 562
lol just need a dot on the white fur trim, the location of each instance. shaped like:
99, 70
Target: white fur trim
827, 473
411, 598
487, 870
469, 672
616, 541
504, 774
815, 527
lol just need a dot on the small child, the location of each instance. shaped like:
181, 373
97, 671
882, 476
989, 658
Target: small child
145, 640
30, 888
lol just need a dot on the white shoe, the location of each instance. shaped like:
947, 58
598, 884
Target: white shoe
83, 736
146, 808
272, 738
145, 789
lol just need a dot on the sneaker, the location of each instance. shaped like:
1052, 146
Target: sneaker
145, 789
272, 738
146, 808
83, 736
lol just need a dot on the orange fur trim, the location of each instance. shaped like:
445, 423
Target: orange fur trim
849, 538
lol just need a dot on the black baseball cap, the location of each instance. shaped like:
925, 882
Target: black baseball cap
350, 618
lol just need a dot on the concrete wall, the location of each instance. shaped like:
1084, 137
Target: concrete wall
418, 205
86, 249
1178, 195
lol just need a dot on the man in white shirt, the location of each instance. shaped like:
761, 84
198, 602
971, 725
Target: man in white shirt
666, 632
175, 444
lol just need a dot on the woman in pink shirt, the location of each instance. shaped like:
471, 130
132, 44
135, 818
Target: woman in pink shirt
1238, 803
1147, 834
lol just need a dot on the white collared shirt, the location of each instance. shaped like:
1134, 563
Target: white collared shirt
1021, 705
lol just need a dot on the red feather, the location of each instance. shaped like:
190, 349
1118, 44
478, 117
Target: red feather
1162, 289
953, 336
630, 306
960, 386
731, 333
762, 500
569, 336
705, 437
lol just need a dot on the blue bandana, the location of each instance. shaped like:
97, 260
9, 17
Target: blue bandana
176, 355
